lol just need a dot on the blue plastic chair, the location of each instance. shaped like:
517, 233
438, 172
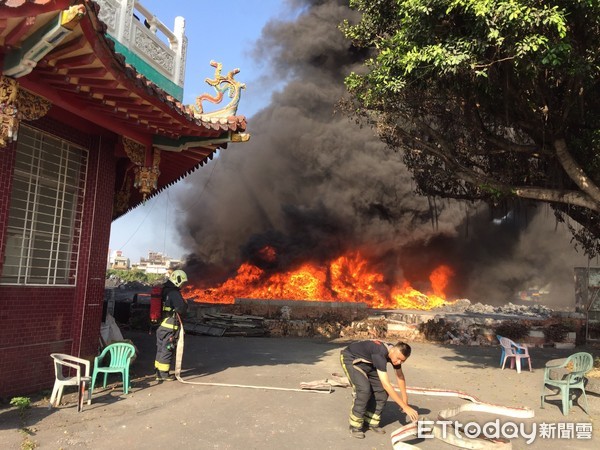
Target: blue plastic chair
571, 375
121, 354
503, 353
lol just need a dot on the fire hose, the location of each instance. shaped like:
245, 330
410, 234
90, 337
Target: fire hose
438, 431
453, 438
179, 360
406, 431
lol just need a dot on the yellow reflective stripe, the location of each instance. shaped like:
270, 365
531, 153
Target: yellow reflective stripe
372, 419
356, 421
162, 366
170, 326
167, 308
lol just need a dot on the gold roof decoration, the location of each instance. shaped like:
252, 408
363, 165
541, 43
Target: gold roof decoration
221, 84
146, 177
17, 104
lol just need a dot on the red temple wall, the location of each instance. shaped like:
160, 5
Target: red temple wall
37, 321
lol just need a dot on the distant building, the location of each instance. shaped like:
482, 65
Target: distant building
158, 263
119, 262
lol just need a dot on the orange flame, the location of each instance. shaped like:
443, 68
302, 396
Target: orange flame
349, 278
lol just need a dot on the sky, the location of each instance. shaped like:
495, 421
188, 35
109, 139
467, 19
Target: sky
226, 35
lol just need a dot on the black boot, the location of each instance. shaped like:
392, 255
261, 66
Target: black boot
164, 376
358, 433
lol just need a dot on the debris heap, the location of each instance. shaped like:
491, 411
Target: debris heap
220, 324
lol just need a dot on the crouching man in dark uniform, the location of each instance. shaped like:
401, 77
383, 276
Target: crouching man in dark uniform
365, 365
168, 330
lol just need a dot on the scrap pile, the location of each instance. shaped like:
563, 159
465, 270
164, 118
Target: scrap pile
220, 324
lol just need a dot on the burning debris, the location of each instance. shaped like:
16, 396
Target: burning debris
316, 212
314, 207
459, 322
348, 278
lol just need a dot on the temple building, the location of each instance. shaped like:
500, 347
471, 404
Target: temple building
91, 125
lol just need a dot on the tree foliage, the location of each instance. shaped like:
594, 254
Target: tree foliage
491, 100
135, 275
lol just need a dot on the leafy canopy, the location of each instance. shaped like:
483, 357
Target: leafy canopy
491, 100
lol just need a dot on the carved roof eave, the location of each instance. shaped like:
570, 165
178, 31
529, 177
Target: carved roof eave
179, 122
33, 7
95, 29
203, 144
160, 189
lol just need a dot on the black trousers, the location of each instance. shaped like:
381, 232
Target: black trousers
165, 347
369, 395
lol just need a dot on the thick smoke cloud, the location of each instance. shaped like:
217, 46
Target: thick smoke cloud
313, 184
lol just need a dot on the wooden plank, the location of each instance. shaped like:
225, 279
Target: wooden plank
205, 329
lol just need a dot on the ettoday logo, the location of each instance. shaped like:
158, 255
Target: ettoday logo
427, 429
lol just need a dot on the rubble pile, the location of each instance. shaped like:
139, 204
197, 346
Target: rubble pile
130, 286
329, 329
218, 324
460, 322
117, 290
465, 306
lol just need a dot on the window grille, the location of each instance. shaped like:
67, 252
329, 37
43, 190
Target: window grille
45, 216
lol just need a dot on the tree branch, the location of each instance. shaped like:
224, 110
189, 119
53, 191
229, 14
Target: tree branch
558, 196
576, 172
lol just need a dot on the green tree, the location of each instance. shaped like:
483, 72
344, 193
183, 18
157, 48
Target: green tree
136, 275
492, 100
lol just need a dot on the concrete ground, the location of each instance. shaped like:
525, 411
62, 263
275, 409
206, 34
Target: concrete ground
177, 415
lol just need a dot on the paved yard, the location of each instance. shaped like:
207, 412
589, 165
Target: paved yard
180, 415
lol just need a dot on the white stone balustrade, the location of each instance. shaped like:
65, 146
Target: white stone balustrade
136, 29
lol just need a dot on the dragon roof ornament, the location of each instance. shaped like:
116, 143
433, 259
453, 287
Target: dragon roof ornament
221, 84
16, 105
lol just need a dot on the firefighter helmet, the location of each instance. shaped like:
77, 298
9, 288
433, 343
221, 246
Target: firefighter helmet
178, 277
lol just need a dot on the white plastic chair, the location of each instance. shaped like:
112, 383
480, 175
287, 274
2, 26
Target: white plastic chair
63, 363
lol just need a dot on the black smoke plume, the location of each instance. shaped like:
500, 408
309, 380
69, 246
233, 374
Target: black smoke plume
313, 185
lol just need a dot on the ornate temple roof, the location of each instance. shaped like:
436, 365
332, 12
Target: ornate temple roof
85, 75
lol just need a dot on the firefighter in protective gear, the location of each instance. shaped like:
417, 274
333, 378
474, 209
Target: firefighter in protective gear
365, 364
168, 330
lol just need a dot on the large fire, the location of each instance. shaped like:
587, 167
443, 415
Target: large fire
346, 279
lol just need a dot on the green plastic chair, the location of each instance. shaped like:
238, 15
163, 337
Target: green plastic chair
572, 376
121, 354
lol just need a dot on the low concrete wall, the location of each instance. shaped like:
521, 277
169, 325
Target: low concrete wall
298, 309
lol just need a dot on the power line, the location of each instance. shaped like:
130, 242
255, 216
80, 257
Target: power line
165, 232
140, 225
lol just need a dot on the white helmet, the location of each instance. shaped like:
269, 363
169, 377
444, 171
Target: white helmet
178, 277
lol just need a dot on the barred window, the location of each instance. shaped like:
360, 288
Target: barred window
45, 216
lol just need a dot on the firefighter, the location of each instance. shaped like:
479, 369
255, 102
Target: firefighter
168, 330
365, 365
